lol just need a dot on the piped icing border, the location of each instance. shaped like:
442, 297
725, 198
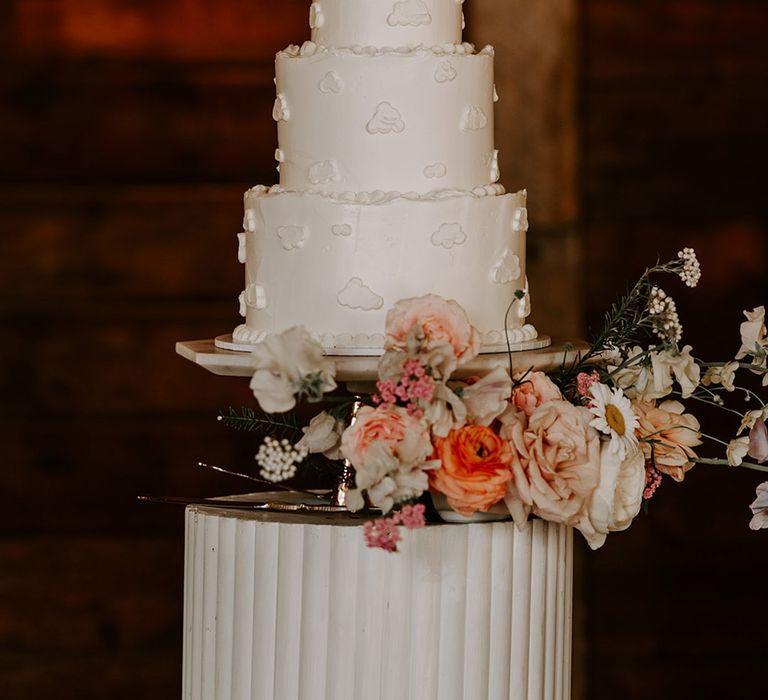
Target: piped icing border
310, 48
375, 341
381, 197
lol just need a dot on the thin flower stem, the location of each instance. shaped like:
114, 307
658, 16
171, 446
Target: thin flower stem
743, 365
713, 403
724, 463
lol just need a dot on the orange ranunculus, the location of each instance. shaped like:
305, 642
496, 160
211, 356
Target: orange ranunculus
474, 468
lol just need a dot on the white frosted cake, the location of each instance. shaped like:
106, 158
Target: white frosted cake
388, 183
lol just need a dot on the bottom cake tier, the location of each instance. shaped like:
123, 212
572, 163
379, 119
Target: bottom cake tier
336, 265
304, 611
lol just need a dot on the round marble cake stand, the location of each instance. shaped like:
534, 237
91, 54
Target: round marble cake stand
280, 606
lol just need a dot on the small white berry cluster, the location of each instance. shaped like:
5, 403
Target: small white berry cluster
691, 272
278, 459
663, 312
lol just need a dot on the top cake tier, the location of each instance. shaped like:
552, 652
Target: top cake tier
386, 22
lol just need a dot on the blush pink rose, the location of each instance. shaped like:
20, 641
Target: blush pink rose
385, 424
389, 449
474, 468
441, 321
555, 464
534, 389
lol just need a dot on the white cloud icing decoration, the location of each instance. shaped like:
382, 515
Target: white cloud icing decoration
495, 173
341, 230
520, 219
253, 296
249, 220
445, 72
323, 172
356, 295
435, 170
385, 120
506, 269
316, 17
474, 119
409, 13
279, 155
292, 237
241, 248
495, 93
280, 112
448, 235
331, 82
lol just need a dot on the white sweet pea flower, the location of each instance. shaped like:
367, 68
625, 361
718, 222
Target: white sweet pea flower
287, 364
618, 497
644, 379
684, 367
323, 434
723, 374
488, 397
736, 451
751, 417
446, 411
753, 332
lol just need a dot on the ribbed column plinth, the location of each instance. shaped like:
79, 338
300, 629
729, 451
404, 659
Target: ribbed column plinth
289, 610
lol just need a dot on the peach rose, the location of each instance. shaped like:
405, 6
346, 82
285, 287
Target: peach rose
672, 432
441, 321
555, 464
389, 449
474, 468
535, 388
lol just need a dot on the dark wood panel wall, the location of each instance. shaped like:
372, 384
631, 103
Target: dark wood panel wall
127, 135
674, 142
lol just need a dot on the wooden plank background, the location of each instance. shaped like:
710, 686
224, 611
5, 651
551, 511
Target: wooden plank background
127, 135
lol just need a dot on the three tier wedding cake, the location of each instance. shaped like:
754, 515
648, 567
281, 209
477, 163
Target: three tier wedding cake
388, 183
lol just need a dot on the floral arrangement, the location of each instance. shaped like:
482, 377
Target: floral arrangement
587, 446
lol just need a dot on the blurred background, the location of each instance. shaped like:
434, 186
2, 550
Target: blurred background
129, 131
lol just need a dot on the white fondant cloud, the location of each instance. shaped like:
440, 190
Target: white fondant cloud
520, 219
385, 120
316, 17
280, 112
445, 72
495, 173
435, 170
474, 119
331, 82
249, 220
506, 269
292, 237
449, 235
409, 13
356, 295
323, 172
341, 230
241, 249
255, 296
279, 155
495, 93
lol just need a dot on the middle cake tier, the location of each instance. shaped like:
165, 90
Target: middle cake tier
366, 119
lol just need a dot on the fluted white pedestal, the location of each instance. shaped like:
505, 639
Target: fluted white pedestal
277, 607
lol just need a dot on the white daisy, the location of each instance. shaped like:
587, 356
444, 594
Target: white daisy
614, 417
